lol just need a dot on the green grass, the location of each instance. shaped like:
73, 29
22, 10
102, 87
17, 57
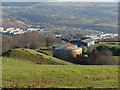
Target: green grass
85, 50
45, 50
116, 44
25, 74
34, 56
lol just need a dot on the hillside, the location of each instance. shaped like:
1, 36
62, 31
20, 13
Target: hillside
34, 56
25, 74
97, 16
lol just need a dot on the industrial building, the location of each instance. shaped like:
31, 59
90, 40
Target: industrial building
85, 42
66, 51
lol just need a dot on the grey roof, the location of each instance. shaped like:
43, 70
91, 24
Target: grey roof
87, 40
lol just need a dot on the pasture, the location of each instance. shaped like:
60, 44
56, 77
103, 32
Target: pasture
18, 73
34, 56
110, 44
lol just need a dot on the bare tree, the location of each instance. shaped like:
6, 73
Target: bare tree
6, 43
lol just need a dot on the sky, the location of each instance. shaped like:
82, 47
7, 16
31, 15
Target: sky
59, 0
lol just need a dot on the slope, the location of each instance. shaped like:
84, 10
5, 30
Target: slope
34, 56
25, 74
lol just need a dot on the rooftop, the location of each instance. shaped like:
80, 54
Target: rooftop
87, 40
61, 45
66, 47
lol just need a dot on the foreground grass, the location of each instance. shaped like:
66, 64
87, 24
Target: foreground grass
22, 73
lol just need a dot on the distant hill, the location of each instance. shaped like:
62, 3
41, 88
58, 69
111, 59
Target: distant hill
97, 16
34, 56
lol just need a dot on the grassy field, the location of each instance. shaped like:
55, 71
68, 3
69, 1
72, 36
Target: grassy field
45, 50
110, 44
25, 74
34, 56
26, 68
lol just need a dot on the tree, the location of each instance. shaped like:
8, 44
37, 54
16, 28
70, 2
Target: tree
90, 50
102, 47
103, 57
106, 53
7, 43
79, 35
31, 40
115, 50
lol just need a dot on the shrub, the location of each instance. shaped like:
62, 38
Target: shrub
115, 51
103, 57
102, 47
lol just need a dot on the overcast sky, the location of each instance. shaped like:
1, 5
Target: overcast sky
58, 0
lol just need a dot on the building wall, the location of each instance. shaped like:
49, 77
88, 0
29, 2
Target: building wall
66, 54
76, 52
62, 54
90, 43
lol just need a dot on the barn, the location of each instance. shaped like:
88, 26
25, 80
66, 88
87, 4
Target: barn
85, 42
66, 52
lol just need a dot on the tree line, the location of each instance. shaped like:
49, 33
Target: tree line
32, 40
103, 55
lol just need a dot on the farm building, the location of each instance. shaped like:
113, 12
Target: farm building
85, 42
66, 51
